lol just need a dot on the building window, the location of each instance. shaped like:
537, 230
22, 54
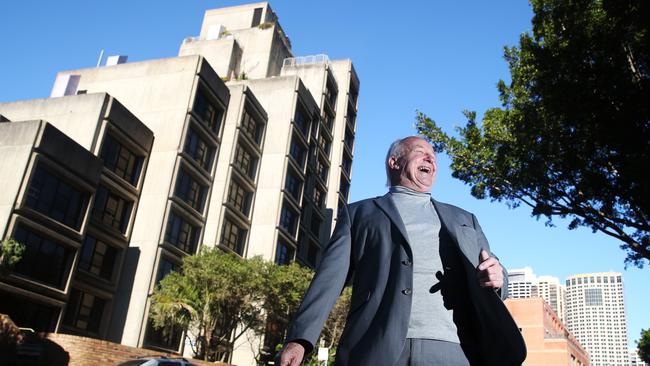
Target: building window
251, 127
120, 160
288, 219
209, 112
297, 151
312, 253
308, 251
51, 196
168, 338
112, 209
354, 93
315, 225
43, 260
293, 184
181, 233
319, 197
97, 258
329, 120
349, 139
346, 164
593, 297
344, 187
233, 236
198, 149
239, 198
352, 116
245, 161
257, 17
324, 143
190, 191
284, 253
322, 170
331, 93
302, 119
84, 311
165, 267
28, 314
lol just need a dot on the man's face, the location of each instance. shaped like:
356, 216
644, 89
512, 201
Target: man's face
417, 167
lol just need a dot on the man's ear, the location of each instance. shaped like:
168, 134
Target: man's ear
393, 163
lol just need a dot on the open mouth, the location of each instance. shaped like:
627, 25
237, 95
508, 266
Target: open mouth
425, 169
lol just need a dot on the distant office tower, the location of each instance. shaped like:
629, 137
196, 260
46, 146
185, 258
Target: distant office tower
129, 167
548, 342
550, 289
520, 282
595, 314
635, 360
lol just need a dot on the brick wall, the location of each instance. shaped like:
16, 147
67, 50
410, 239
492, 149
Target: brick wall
84, 351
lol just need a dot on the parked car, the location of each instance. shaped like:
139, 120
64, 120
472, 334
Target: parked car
157, 361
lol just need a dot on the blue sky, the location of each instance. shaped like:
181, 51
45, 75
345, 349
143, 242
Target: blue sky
440, 57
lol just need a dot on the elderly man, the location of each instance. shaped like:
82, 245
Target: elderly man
425, 285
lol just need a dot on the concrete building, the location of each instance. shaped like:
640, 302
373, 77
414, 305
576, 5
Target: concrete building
548, 342
236, 144
595, 314
71, 195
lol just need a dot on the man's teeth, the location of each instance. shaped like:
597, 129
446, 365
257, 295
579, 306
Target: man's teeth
424, 169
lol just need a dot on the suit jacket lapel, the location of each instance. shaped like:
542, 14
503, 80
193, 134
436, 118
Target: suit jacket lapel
387, 205
449, 221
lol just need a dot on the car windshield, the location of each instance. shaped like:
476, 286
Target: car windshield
132, 363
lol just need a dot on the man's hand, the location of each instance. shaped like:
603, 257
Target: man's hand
290, 355
490, 272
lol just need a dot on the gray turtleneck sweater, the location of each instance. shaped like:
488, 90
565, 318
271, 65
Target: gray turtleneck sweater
429, 318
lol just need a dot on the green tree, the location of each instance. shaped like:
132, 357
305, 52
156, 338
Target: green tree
572, 138
644, 345
284, 288
333, 329
215, 297
11, 252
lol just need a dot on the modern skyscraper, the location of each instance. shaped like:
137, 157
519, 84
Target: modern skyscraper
595, 314
550, 289
235, 144
523, 284
520, 282
635, 360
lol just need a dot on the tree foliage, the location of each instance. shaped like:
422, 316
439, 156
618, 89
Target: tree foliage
283, 292
11, 252
214, 297
572, 138
218, 297
644, 345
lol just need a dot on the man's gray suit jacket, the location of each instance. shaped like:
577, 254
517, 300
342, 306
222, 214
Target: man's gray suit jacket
369, 247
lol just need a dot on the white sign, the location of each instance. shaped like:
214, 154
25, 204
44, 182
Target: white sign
323, 353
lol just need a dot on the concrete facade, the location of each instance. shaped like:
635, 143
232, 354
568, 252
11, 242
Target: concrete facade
595, 314
236, 144
548, 342
77, 202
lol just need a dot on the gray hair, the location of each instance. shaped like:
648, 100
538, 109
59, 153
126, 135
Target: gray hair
397, 149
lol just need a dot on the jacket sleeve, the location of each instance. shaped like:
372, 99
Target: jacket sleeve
325, 287
483, 244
